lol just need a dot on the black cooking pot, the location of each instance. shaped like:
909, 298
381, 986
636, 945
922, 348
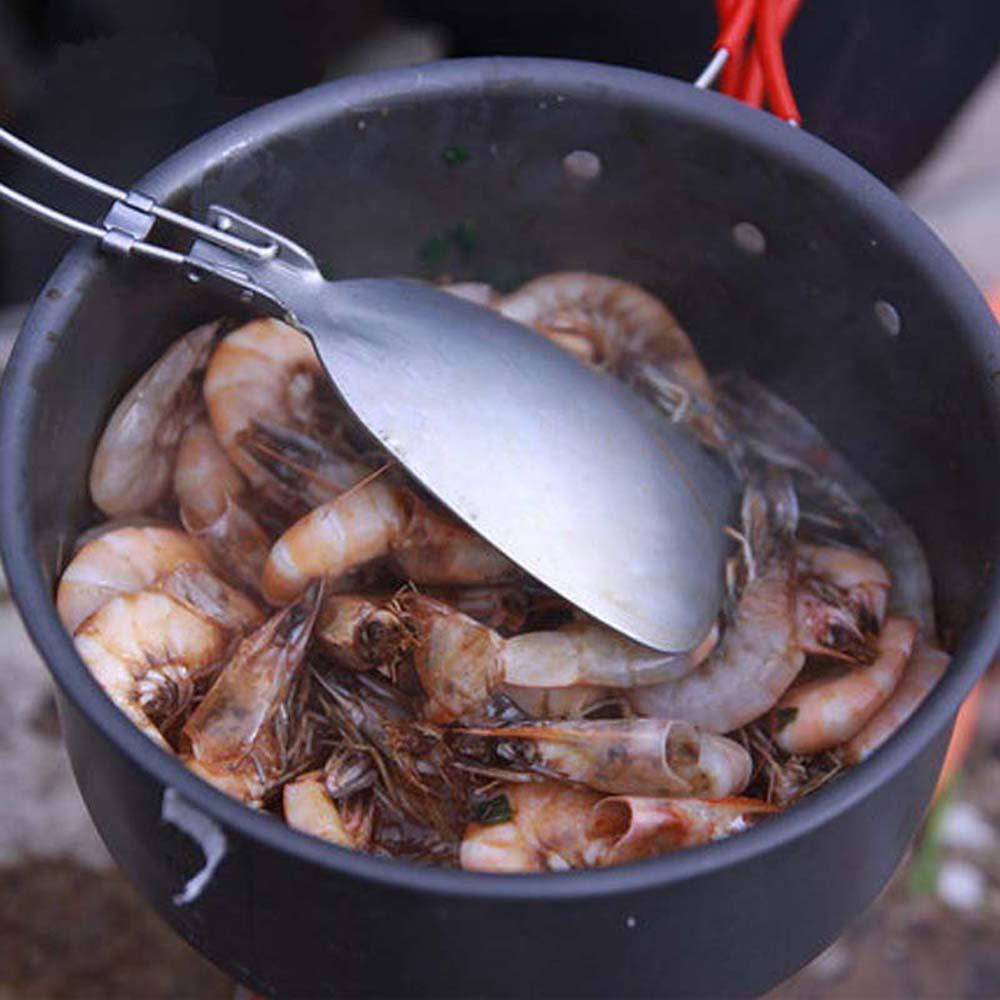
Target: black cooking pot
847, 305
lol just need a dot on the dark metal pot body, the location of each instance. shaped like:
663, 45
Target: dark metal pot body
458, 168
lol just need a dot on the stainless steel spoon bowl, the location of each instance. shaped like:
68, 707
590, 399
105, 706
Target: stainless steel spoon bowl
559, 467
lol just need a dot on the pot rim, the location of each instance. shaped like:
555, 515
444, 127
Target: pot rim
360, 95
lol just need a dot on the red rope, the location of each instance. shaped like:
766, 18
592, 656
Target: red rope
772, 59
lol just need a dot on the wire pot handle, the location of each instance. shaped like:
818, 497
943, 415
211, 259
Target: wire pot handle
126, 226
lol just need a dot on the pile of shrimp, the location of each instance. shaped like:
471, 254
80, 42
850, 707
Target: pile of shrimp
272, 600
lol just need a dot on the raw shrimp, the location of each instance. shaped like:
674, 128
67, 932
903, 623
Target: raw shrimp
461, 663
308, 807
926, 667
255, 378
822, 713
232, 744
209, 489
377, 519
626, 756
780, 434
619, 319
131, 470
760, 653
118, 562
148, 650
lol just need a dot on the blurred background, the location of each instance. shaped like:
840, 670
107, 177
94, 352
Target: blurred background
910, 88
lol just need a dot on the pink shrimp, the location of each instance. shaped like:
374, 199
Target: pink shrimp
149, 649
926, 667
553, 828
461, 663
375, 520
309, 807
210, 492
131, 470
824, 712
620, 320
119, 562
760, 654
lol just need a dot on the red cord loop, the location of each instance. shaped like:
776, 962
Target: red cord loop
756, 68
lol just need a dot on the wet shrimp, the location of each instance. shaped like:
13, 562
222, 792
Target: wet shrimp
823, 712
375, 520
616, 319
632, 828
626, 756
150, 649
841, 601
864, 579
131, 470
461, 663
308, 806
231, 741
576, 702
760, 653
554, 828
778, 433
211, 493
361, 632
118, 562
254, 379
926, 667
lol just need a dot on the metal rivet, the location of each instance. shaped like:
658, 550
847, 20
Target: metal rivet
582, 165
224, 223
749, 239
888, 317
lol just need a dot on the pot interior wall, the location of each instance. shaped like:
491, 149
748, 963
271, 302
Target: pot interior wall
475, 187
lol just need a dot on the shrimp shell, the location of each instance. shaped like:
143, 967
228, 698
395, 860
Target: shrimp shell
631, 756
760, 654
135, 457
209, 488
225, 729
118, 562
781, 435
374, 520
361, 632
584, 653
619, 318
307, 806
249, 378
147, 650
822, 713
630, 828
926, 667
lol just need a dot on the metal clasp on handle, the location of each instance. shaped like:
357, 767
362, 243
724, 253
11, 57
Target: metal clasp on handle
122, 226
